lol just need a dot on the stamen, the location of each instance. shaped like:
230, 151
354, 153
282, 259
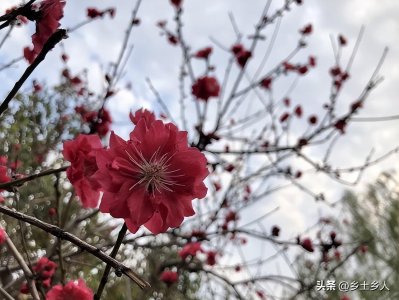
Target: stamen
154, 173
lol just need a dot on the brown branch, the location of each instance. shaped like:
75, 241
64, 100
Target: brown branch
48, 46
27, 272
18, 182
115, 250
6, 295
9, 18
59, 211
58, 232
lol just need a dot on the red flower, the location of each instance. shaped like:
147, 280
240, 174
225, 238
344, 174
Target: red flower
152, 178
72, 290
190, 249
102, 125
206, 87
198, 234
260, 294
93, 13
173, 39
217, 186
15, 165
302, 142
229, 168
24, 289
45, 268
248, 189
312, 119
211, 258
231, 216
288, 66
342, 40
356, 105
312, 61
242, 57
51, 11
302, 70
46, 283
3, 160
341, 125
275, 231
161, 24
81, 153
307, 245
99, 122
52, 211
29, 54
76, 80
64, 57
284, 117
237, 48
169, 277
266, 83
36, 86
335, 71
176, 3
148, 116
363, 249
3, 175
3, 236
307, 29
298, 111
203, 53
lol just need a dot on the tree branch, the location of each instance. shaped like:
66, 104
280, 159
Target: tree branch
7, 185
49, 45
58, 232
27, 272
104, 278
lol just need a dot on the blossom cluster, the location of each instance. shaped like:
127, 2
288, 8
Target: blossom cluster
44, 271
150, 179
72, 290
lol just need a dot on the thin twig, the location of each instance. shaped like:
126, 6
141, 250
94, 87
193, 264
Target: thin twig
21, 181
159, 99
24, 266
49, 45
6, 295
59, 216
115, 250
58, 232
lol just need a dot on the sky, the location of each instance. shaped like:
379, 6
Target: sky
97, 43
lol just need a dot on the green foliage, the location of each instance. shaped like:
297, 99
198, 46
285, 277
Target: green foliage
371, 219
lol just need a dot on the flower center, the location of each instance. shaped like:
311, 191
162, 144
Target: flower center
154, 177
155, 173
